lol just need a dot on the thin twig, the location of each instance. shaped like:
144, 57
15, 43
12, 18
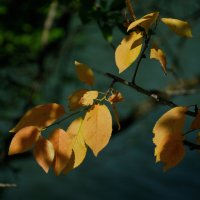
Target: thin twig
130, 10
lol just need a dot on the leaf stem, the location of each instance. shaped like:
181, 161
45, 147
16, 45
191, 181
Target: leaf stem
130, 10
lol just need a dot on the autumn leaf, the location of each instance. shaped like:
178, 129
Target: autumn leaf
40, 116
88, 98
156, 53
79, 148
180, 27
75, 99
196, 122
62, 143
97, 126
145, 22
44, 153
128, 51
23, 140
84, 73
116, 97
168, 137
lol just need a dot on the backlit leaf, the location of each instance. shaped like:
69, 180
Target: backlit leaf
156, 53
128, 51
196, 122
40, 116
44, 153
24, 139
180, 27
89, 97
97, 126
84, 73
62, 143
145, 22
75, 99
79, 147
168, 137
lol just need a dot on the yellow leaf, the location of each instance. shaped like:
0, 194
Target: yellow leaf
88, 98
168, 137
40, 116
180, 27
145, 22
62, 143
196, 122
156, 53
79, 148
116, 97
44, 153
84, 73
97, 126
128, 51
23, 140
75, 99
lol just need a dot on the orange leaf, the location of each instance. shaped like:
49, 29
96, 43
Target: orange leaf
196, 122
180, 27
40, 116
89, 97
75, 130
84, 73
62, 143
23, 140
128, 51
97, 126
168, 137
158, 54
75, 99
116, 97
145, 22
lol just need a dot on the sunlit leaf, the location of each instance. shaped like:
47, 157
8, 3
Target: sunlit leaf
23, 140
180, 27
128, 51
40, 116
145, 22
156, 53
89, 97
84, 73
75, 99
97, 126
62, 143
168, 137
44, 153
196, 122
75, 130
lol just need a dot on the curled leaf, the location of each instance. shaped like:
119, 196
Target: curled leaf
40, 116
156, 53
128, 51
24, 139
97, 127
116, 97
168, 137
88, 98
180, 27
84, 73
44, 153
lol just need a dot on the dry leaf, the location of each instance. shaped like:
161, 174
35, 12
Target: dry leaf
75, 99
40, 116
156, 53
44, 153
62, 143
75, 130
23, 140
168, 137
145, 22
84, 73
97, 126
196, 122
88, 98
116, 97
128, 51
180, 27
